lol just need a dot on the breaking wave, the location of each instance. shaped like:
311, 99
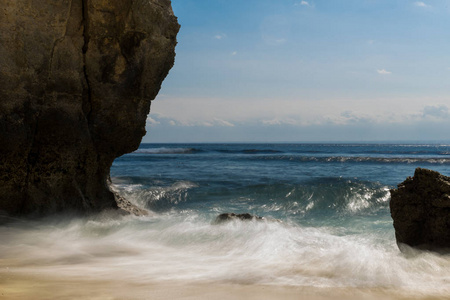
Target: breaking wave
167, 151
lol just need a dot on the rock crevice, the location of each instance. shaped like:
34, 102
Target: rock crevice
85, 24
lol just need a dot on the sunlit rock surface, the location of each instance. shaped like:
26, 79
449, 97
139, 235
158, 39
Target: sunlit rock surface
76, 81
420, 208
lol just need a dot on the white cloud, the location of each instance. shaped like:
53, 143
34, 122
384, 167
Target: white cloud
287, 120
220, 36
421, 4
221, 122
271, 122
303, 3
280, 41
383, 72
223, 112
276, 121
348, 116
437, 111
152, 121
234, 53
205, 124
158, 119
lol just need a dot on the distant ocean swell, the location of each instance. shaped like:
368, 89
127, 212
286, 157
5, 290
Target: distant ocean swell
350, 149
329, 159
356, 159
163, 150
372, 156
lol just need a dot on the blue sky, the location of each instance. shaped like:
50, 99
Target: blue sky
306, 71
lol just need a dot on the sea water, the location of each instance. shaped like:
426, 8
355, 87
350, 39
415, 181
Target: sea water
325, 207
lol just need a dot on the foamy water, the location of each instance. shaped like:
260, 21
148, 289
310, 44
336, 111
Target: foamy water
187, 247
327, 222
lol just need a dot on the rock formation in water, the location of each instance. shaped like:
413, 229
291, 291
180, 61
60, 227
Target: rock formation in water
420, 208
225, 217
76, 81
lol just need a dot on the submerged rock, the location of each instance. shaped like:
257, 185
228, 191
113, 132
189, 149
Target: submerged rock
420, 208
232, 216
76, 81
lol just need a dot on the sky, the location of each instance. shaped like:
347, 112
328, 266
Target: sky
306, 71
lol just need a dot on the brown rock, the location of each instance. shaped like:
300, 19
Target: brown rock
420, 208
76, 81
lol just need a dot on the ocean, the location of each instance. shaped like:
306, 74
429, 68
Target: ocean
326, 220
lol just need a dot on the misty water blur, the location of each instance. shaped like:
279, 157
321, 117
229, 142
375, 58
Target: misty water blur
319, 231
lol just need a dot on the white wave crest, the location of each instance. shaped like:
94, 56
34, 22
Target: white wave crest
164, 150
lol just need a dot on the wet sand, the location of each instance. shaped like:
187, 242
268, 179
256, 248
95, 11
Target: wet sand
19, 286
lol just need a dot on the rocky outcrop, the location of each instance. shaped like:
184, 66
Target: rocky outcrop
76, 81
420, 208
225, 217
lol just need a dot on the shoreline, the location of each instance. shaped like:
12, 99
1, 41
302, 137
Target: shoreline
19, 286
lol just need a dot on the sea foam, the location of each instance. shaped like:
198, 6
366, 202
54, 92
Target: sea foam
185, 246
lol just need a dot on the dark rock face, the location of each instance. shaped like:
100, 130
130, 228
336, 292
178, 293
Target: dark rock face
232, 216
420, 208
76, 81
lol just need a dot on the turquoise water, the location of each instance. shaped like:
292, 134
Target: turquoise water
326, 210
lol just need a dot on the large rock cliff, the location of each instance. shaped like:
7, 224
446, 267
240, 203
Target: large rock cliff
420, 208
76, 81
